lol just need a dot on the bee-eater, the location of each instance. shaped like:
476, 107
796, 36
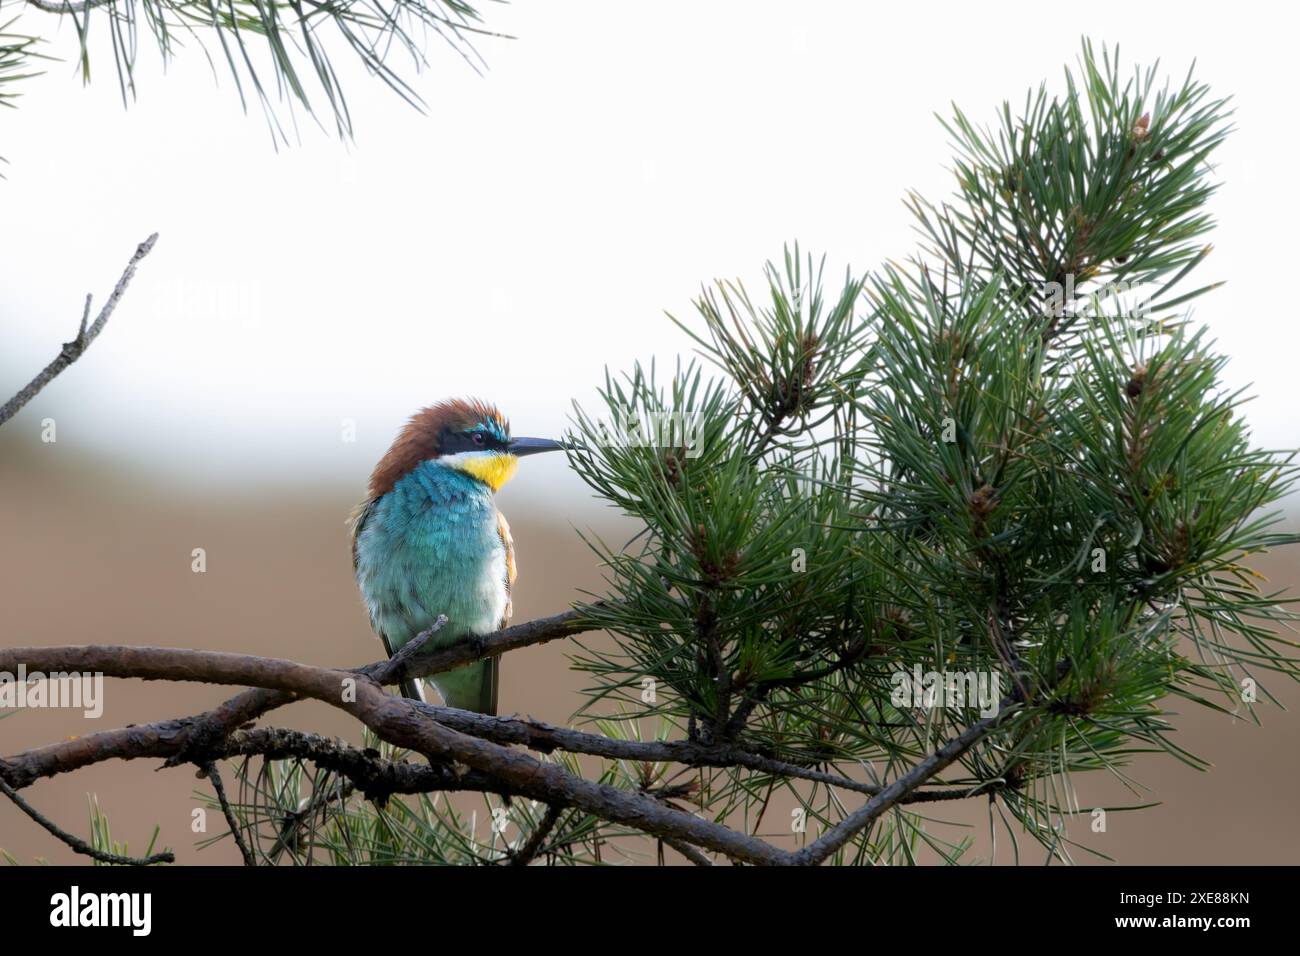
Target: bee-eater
429, 540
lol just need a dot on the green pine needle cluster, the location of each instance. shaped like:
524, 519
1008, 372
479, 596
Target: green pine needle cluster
1010, 455
280, 54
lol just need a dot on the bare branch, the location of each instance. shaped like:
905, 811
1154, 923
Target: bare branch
204, 729
395, 671
375, 777
77, 844
539, 631
688, 851
210, 771
397, 721
893, 794
479, 742
191, 739
537, 839
896, 792
546, 738
73, 350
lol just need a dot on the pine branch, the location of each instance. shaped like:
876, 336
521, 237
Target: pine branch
291, 35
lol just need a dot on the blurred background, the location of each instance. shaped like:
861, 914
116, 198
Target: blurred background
525, 234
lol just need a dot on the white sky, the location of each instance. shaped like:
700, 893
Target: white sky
534, 226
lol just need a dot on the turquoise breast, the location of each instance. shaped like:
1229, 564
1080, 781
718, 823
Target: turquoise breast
431, 546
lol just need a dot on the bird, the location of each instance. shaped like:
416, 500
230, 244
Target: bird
429, 540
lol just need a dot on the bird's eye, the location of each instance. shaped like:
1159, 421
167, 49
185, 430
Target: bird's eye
478, 438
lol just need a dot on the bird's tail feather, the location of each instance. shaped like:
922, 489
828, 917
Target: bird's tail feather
491, 682
412, 689
471, 687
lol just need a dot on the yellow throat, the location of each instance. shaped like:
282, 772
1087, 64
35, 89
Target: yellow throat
493, 469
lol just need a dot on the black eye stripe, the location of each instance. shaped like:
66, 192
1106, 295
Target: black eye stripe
450, 442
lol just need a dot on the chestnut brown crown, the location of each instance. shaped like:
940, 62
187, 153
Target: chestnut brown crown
430, 433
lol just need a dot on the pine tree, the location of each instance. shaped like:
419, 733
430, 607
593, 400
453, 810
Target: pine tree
1008, 464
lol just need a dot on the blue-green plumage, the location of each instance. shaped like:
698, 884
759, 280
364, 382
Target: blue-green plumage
434, 545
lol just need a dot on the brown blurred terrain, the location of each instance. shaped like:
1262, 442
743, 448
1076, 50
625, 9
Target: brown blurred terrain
92, 555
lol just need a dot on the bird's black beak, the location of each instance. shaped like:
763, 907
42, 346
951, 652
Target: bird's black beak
532, 446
